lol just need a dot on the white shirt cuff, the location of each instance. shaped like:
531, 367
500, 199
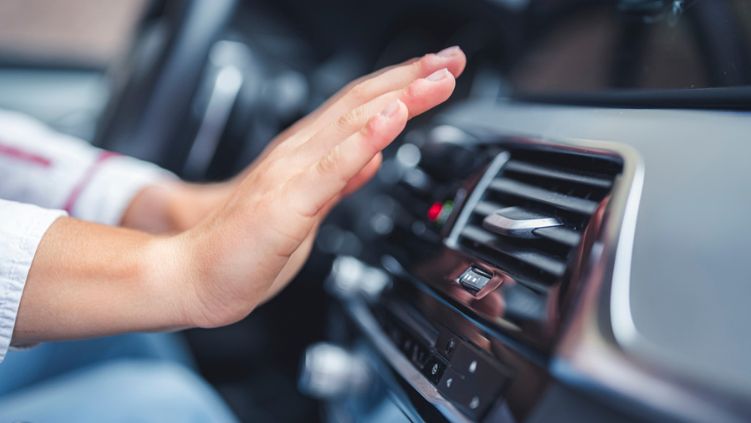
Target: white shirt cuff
110, 186
22, 227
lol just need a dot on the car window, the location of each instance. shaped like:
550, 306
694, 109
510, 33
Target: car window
71, 31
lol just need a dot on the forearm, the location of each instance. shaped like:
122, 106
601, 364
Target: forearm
92, 280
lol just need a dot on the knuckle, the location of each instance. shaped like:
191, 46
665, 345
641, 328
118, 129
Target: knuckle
351, 120
371, 136
330, 163
425, 64
369, 131
344, 121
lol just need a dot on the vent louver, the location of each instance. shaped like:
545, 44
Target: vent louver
562, 185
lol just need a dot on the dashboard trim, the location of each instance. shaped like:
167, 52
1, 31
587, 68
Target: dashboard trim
477, 192
359, 313
584, 348
591, 353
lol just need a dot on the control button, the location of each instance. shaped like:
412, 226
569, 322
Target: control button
434, 369
517, 222
451, 385
351, 278
419, 355
470, 397
474, 279
450, 346
407, 345
472, 366
330, 371
446, 343
439, 212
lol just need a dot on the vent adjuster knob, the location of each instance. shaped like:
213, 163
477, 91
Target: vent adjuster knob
517, 222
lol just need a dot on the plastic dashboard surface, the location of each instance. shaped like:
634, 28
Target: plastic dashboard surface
674, 321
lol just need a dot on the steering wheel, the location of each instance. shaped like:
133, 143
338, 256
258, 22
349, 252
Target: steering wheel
155, 86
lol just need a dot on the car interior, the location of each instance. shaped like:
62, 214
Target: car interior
563, 240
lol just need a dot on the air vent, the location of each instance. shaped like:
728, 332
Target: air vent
543, 186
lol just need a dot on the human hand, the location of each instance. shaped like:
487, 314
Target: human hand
252, 235
253, 245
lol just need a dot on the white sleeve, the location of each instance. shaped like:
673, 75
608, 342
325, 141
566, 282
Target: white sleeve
21, 228
52, 170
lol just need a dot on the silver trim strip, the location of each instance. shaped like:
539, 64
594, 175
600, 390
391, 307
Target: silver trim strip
592, 353
477, 192
584, 356
359, 312
622, 322
227, 84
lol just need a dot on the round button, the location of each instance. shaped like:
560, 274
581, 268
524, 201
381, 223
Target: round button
473, 366
474, 403
450, 345
434, 370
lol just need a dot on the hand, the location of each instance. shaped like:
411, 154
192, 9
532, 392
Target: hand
176, 207
253, 234
263, 234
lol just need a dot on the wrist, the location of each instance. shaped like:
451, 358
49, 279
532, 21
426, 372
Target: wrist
171, 281
173, 206
212, 291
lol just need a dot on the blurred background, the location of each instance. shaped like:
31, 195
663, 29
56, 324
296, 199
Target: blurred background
73, 32
200, 87
79, 40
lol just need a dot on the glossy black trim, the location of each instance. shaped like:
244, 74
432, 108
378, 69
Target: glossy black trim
724, 98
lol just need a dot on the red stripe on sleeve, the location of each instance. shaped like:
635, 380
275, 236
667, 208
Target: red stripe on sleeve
24, 156
87, 176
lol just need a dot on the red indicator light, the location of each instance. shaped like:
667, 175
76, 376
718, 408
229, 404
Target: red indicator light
435, 211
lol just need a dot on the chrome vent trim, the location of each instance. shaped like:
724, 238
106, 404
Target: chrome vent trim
474, 198
559, 184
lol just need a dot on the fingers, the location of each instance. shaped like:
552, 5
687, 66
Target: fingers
329, 176
384, 81
419, 96
333, 167
395, 78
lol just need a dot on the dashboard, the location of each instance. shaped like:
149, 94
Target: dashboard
565, 240
554, 250
603, 301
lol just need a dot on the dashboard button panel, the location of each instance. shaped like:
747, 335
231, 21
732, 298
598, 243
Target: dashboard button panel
474, 279
465, 375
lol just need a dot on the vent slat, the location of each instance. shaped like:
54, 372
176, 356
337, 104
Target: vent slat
550, 198
565, 186
560, 234
530, 257
546, 172
485, 208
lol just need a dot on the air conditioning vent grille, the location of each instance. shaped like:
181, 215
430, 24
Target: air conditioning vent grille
563, 185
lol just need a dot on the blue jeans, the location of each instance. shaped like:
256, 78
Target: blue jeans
128, 378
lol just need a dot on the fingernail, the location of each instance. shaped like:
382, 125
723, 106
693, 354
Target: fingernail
391, 109
449, 51
438, 75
